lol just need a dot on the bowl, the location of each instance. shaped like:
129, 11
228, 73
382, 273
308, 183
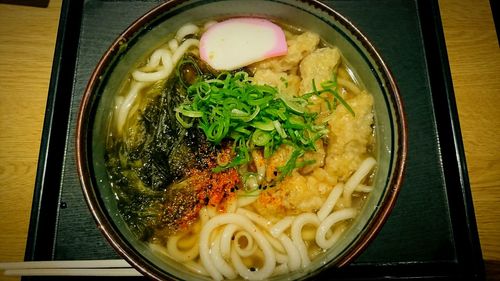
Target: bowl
138, 41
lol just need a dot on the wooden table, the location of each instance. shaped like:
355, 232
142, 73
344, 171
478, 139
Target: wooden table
27, 40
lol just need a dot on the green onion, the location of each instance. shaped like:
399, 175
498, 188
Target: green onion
268, 150
297, 108
252, 116
295, 122
290, 164
239, 113
261, 138
190, 113
342, 101
279, 129
250, 182
181, 121
266, 125
242, 130
330, 86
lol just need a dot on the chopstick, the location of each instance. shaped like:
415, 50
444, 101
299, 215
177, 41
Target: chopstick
69, 268
65, 264
73, 272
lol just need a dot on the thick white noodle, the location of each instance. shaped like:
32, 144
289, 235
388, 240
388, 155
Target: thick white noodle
281, 258
327, 224
330, 202
274, 242
231, 205
250, 247
356, 178
218, 261
157, 57
173, 44
363, 188
212, 211
141, 76
265, 224
297, 225
204, 216
258, 219
293, 253
243, 222
191, 265
281, 269
185, 30
336, 233
281, 226
179, 52
179, 255
247, 199
167, 65
246, 273
226, 239
127, 103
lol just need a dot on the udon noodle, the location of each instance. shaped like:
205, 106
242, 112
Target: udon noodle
256, 219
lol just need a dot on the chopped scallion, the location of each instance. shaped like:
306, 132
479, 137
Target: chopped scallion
252, 116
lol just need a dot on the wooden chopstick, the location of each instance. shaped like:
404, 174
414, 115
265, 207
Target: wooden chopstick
73, 272
69, 268
65, 264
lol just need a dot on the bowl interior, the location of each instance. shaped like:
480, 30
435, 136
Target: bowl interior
138, 42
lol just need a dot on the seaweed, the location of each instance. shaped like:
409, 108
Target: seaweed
146, 166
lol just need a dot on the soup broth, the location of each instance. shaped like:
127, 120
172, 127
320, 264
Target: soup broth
252, 172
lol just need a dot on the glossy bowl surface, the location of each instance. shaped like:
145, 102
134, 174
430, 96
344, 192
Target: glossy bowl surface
141, 38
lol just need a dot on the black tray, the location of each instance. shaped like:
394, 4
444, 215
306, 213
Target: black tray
431, 232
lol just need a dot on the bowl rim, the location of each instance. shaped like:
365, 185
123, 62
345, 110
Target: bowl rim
104, 223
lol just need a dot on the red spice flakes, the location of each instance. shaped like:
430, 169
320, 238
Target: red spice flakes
204, 187
212, 188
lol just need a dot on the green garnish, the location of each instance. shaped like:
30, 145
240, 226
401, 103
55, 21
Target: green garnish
283, 79
330, 86
291, 163
231, 107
